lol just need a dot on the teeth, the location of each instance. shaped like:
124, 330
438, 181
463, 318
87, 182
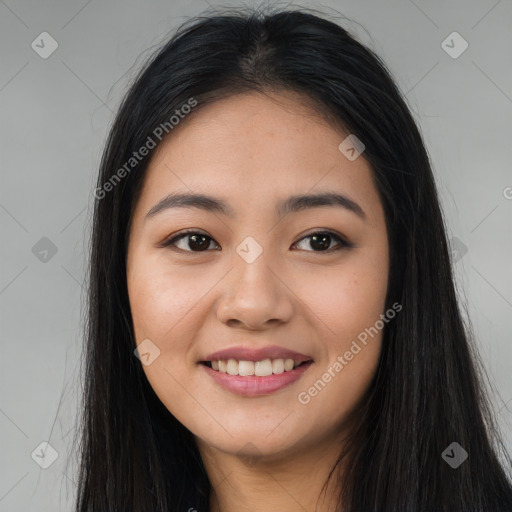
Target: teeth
232, 367
258, 368
263, 368
245, 368
278, 365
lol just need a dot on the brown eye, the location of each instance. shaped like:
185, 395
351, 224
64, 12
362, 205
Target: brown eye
321, 241
197, 242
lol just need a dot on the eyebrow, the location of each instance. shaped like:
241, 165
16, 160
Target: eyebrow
292, 204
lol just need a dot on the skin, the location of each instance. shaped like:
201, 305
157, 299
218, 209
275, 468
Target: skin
253, 151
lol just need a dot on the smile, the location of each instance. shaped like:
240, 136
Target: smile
261, 368
255, 378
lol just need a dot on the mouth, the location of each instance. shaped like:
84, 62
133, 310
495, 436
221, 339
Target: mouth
263, 368
255, 378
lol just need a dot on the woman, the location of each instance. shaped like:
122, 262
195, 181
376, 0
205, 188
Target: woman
273, 323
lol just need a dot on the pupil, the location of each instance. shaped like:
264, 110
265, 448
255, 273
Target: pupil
202, 246
322, 242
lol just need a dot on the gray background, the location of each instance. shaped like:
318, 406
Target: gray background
55, 114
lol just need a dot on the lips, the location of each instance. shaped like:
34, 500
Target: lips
250, 354
256, 386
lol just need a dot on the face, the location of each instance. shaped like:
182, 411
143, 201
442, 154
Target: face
256, 280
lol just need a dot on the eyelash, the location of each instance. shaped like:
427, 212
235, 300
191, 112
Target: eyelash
343, 244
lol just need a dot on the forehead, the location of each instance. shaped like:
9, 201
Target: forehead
255, 117
251, 148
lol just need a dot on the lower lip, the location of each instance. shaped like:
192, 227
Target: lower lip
254, 385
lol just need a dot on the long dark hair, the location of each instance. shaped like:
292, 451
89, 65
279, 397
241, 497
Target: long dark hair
428, 389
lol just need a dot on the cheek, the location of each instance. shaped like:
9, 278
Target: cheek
345, 299
347, 303
352, 345
162, 299
164, 306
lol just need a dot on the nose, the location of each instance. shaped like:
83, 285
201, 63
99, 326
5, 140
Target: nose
255, 297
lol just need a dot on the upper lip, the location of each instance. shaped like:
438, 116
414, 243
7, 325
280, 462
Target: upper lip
256, 354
